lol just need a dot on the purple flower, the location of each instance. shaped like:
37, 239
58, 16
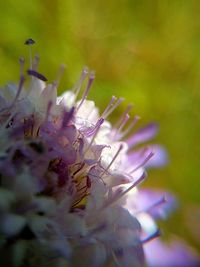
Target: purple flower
69, 182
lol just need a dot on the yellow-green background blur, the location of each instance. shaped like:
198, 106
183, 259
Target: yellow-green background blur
146, 51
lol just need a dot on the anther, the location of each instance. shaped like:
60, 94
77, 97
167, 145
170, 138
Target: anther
37, 75
29, 42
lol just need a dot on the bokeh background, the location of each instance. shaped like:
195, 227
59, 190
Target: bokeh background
146, 51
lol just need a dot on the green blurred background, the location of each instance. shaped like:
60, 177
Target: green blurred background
146, 51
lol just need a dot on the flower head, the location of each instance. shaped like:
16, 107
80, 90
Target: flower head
69, 180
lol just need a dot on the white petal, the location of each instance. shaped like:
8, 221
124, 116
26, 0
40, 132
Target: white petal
12, 224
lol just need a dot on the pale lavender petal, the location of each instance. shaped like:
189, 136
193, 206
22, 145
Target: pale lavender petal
159, 159
158, 203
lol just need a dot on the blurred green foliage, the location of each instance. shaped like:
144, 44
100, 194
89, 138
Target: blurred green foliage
146, 51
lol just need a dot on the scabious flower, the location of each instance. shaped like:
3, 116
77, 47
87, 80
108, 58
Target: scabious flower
69, 182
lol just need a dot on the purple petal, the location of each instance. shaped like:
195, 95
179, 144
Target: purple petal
71, 133
175, 254
143, 134
67, 116
69, 154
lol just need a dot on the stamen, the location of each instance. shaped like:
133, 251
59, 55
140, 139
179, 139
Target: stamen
131, 125
36, 62
60, 74
49, 106
118, 130
112, 161
154, 235
80, 199
146, 159
30, 42
110, 104
77, 86
141, 179
122, 193
159, 202
92, 131
113, 107
67, 117
85, 94
121, 119
101, 120
78, 170
21, 82
21, 62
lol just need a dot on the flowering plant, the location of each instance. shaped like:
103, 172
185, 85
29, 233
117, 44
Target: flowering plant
69, 182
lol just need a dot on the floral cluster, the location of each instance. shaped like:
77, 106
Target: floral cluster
69, 182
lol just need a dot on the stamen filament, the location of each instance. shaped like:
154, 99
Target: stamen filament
161, 201
21, 82
36, 62
101, 120
117, 103
30, 42
60, 74
110, 104
131, 125
49, 106
85, 94
112, 161
77, 86
121, 194
21, 62
117, 132
149, 156
121, 119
